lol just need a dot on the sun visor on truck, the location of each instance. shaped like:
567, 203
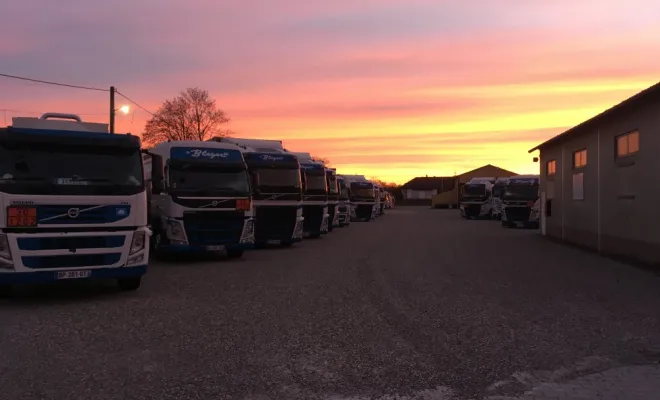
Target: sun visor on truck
63, 137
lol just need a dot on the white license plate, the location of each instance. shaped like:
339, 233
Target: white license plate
273, 241
74, 274
215, 248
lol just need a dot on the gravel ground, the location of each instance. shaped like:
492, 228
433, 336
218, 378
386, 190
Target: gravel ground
417, 304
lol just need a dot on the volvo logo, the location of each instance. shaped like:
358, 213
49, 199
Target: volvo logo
73, 212
214, 203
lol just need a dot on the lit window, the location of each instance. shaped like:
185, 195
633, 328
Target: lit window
627, 144
580, 158
551, 167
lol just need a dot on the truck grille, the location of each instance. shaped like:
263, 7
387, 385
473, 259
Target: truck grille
213, 228
472, 210
86, 214
71, 261
363, 211
517, 214
275, 223
74, 242
313, 218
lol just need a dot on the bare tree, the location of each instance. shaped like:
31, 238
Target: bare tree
192, 115
387, 185
324, 160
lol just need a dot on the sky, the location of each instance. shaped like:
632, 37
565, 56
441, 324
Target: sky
391, 89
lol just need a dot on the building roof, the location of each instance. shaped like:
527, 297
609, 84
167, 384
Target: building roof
427, 182
490, 170
440, 182
645, 96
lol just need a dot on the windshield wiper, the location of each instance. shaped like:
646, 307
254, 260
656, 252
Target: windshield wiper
27, 178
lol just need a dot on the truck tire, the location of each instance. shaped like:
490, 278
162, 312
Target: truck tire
129, 284
235, 253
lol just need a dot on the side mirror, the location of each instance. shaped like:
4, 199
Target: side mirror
254, 177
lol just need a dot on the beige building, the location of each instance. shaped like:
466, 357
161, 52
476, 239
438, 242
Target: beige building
599, 180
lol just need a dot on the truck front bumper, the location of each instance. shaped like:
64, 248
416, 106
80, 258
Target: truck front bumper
13, 278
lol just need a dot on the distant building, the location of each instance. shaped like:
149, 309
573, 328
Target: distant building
599, 180
423, 188
431, 187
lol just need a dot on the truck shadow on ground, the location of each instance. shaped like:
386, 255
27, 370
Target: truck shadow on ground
61, 292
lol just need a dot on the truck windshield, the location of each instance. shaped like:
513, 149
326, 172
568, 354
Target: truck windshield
70, 170
362, 191
279, 180
474, 189
332, 184
315, 182
343, 191
204, 180
522, 192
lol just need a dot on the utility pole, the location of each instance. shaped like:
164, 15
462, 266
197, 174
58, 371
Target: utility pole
112, 109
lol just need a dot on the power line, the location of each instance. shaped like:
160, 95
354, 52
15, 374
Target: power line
41, 112
53, 83
134, 103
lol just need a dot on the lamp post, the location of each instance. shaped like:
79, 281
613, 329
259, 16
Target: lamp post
125, 109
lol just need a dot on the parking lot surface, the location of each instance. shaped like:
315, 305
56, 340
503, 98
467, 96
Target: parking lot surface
418, 304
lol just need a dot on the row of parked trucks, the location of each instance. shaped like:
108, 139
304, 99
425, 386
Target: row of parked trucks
79, 202
512, 200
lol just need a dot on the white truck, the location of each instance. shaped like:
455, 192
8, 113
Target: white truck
498, 189
315, 196
344, 207
382, 200
476, 198
73, 203
362, 196
520, 201
276, 190
333, 197
201, 198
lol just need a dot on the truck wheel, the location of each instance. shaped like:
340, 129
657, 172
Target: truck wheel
129, 284
235, 253
6, 291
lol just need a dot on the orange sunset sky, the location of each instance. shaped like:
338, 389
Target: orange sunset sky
391, 88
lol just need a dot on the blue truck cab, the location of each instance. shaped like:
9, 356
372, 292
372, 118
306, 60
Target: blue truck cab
73, 203
315, 196
276, 190
363, 197
200, 198
344, 206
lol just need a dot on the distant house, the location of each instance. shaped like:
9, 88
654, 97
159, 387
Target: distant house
423, 188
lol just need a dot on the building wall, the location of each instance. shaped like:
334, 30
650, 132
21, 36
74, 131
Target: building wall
618, 214
411, 194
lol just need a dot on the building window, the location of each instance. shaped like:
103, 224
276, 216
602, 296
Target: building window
627, 144
578, 186
551, 167
579, 158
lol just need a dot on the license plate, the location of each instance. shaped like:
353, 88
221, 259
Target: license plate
273, 241
74, 274
215, 248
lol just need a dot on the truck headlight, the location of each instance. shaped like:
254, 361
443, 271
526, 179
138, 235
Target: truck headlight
176, 231
138, 242
4, 247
